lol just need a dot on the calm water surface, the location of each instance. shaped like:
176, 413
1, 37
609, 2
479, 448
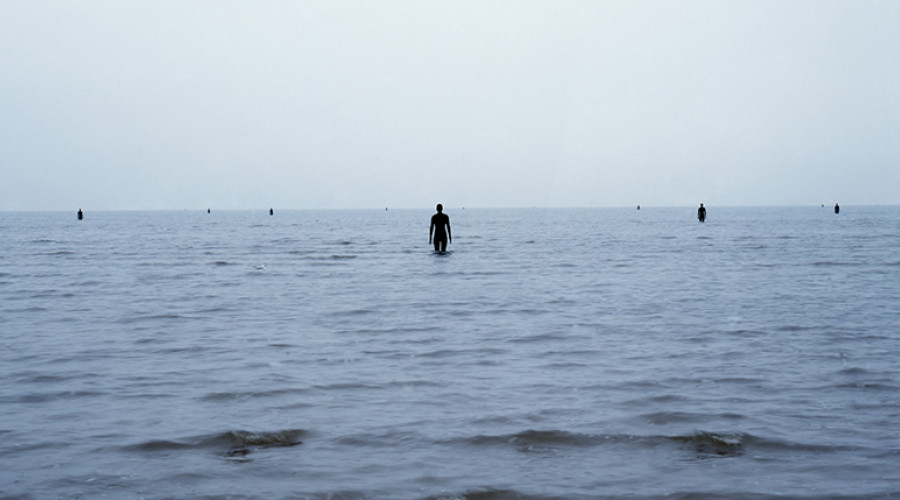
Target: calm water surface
597, 353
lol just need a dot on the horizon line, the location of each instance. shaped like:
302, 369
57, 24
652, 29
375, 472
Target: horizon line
459, 207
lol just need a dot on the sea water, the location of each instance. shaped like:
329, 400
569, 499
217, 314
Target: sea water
553, 353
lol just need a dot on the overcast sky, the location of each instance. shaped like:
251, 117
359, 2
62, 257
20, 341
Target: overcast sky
178, 104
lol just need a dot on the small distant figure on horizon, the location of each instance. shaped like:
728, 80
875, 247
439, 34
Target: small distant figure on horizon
440, 229
701, 213
208, 210
837, 208
271, 211
80, 214
639, 207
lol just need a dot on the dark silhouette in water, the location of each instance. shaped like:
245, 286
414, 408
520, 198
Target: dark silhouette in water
80, 214
701, 213
440, 228
271, 211
639, 207
837, 208
207, 210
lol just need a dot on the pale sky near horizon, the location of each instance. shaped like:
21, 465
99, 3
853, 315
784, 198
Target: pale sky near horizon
165, 104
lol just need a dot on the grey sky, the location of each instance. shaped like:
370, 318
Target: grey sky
343, 104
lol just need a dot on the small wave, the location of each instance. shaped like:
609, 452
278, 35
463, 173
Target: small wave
277, 438
229, 396
410, 384
707, 443
869, 386
854, 371
41, 378
746, 333
143, 396
342, 257
220, 263
355, 312
346, 386
49, 397
88, 283
740, 380
793, 328
827, 263
154, 317
490, 494
444, 353
562, 365
480, 273
668, 417
230, 443
32, 309
532, 438
216, 309
663, 398
396, 330
285, 241
700, 444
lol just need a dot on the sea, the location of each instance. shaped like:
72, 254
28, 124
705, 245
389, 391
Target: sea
601, 353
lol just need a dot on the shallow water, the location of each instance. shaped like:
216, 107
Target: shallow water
594, 353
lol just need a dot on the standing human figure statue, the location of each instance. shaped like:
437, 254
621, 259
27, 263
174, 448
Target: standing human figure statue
701, 213
837, 208
440, 230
